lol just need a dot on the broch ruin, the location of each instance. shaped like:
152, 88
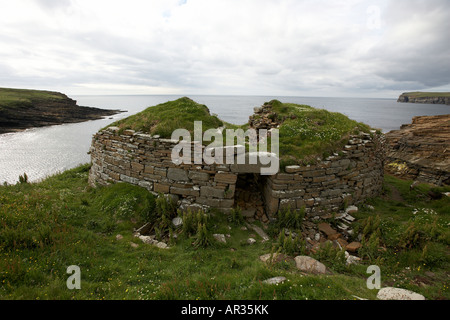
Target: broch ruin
347, 177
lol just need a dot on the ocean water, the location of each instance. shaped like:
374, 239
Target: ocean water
41, 152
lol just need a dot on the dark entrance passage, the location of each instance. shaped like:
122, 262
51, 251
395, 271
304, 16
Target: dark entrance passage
249, 196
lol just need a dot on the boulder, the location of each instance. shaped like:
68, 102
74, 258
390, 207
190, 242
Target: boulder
310, 265
177, 222
220, 238
162, 245
390, 293
276, 280
147, 240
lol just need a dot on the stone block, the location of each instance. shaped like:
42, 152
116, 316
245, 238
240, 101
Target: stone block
185, 191
137, 166
228, 178
199, 176
216, 203
210, 192
177, 174
161, 188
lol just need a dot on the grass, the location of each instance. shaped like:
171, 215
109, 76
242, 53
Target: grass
305, 132
165, 118
48, 226
15, 98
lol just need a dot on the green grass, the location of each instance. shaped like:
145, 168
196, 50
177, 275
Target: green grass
165, 118
426, 94
48, 226
305, 132
14, 98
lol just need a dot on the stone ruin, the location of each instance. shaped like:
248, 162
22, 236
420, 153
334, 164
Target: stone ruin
344, 178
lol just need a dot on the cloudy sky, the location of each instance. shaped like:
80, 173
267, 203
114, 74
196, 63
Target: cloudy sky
337, 48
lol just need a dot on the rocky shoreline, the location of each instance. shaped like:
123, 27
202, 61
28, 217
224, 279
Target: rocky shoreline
40, 112
423, 98
421, 150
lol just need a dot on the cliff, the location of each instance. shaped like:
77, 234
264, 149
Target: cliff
421, 150
24, 109
426, 97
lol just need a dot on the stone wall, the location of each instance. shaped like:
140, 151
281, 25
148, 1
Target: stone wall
351, 176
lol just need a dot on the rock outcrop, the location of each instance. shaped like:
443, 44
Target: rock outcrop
43, 111
421, 150
425, 98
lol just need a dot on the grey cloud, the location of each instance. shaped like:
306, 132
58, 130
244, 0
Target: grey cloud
422, 58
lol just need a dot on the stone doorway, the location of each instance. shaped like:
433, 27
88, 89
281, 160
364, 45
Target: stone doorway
249, 196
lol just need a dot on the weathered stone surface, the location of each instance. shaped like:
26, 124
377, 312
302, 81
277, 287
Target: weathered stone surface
185, 191
351, 210
200, 176
269, 257
161, 188
177, 222
147, 240
353, 247
216, 203
276, 280
293, 169
226, 178
210, 192
310, 265
249, 213
327, 229
421, 150
390, 293
177, 174
251, 241
220, 238
259, 231
162, 245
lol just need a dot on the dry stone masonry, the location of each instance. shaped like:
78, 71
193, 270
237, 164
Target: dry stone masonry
345, 178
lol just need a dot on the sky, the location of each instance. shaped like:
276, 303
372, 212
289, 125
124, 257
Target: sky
321, 48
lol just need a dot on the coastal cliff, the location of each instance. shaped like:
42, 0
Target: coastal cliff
421, 150
425, 97
24, 109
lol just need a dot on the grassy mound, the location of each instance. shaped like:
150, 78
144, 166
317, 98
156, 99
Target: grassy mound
165, 118
306, 132
13, 98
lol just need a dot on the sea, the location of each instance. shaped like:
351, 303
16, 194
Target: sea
42, 152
